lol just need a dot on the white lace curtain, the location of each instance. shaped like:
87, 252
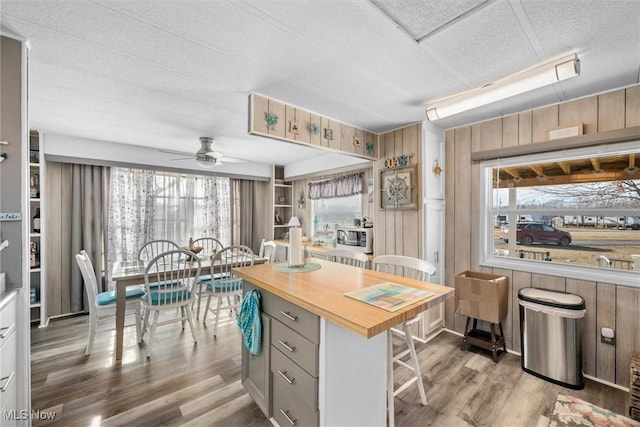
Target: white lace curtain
148, 205
345, 186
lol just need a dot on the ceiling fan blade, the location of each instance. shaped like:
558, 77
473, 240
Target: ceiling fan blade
184, 158
180, 153
226, 159
222, 158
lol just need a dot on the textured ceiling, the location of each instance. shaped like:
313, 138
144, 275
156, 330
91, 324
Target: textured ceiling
420, 19
160, 74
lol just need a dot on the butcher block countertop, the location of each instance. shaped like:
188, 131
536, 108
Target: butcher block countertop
322, 292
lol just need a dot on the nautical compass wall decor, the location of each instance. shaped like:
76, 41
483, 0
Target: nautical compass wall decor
398, 188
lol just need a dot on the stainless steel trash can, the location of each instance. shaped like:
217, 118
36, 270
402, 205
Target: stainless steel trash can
551, 335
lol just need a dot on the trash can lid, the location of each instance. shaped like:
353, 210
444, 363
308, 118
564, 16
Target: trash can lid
552, 298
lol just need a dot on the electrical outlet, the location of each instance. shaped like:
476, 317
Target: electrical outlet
608, 336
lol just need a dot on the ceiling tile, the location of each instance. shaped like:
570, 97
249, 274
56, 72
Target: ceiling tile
422, 18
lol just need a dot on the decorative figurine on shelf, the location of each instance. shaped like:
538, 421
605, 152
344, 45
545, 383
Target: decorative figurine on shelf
277, 219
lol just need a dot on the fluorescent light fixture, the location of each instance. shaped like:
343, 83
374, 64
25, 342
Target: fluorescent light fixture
535, 77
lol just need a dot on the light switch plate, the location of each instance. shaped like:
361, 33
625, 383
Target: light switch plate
608, 340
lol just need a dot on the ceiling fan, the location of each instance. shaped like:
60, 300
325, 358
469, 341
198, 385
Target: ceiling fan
206, 157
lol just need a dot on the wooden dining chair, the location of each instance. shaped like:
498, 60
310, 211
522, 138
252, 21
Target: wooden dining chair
269, 250
210, 246
153, 248
102, 305
348, 257
226, 285
170, 280
413, 268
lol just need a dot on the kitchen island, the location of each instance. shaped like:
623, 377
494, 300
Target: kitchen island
324, 354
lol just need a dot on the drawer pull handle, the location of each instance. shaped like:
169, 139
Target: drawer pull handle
6, 385
6, 331
288, 316
286, 415
286, 378
285, 345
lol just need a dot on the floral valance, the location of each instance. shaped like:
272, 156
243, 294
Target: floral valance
345, 186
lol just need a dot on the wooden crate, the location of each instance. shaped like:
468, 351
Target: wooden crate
634, 387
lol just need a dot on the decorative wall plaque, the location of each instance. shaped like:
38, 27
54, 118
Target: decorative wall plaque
398, 188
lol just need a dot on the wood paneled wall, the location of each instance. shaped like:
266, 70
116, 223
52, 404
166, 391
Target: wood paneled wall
399, 232
395, 231
608, 304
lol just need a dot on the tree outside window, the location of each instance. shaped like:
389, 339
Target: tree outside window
578, 208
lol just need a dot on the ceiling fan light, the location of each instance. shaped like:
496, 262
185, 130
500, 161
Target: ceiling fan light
206, 162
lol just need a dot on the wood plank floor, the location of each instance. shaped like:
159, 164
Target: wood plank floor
199, 385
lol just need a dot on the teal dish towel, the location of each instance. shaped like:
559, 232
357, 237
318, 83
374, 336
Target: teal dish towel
250, 322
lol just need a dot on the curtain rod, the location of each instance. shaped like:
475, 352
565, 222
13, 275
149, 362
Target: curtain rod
337, 177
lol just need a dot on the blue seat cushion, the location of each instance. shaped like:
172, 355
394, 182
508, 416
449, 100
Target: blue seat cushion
168, 297
164, 283
207, 277
235, 285
109, 297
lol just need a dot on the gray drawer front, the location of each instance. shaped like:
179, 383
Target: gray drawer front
297, 412
297, 381
300, 320
295, 347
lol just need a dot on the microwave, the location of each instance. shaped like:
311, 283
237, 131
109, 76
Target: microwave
360, 239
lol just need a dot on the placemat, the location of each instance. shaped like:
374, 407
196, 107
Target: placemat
389, 296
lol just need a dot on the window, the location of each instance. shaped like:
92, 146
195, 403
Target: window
148, 205
574, 213
337, 202
328, 214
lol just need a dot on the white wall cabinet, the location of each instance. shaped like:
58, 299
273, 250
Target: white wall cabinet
433, 220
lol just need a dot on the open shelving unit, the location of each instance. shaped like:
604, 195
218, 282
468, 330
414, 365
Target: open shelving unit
282, 203
37, 289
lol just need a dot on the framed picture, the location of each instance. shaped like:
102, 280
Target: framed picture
398, 188
294, 127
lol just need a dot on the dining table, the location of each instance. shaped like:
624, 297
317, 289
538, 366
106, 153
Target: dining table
131, 273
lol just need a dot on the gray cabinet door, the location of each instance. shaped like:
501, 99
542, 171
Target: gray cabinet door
256, 369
